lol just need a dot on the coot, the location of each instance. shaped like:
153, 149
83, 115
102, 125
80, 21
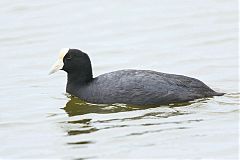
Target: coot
136, 87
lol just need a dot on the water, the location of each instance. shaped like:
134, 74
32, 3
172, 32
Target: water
194, 38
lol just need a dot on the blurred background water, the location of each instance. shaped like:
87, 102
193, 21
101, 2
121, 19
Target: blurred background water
194, 38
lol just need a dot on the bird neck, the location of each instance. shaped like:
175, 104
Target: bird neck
79, 78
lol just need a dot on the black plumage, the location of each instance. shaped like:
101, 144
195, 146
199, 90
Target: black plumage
137, 87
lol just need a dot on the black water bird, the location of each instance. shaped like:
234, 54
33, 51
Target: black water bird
136, 87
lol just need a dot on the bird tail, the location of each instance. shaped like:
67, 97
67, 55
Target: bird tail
218, 94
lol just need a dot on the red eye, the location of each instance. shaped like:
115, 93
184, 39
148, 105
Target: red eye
69, 57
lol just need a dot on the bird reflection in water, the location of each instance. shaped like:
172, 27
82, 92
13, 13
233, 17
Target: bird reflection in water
80, 125
75, 107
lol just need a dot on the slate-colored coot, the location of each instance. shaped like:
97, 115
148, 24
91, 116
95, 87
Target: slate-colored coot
137, 87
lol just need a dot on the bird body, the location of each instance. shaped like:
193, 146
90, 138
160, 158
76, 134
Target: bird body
140, 87
136, 87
